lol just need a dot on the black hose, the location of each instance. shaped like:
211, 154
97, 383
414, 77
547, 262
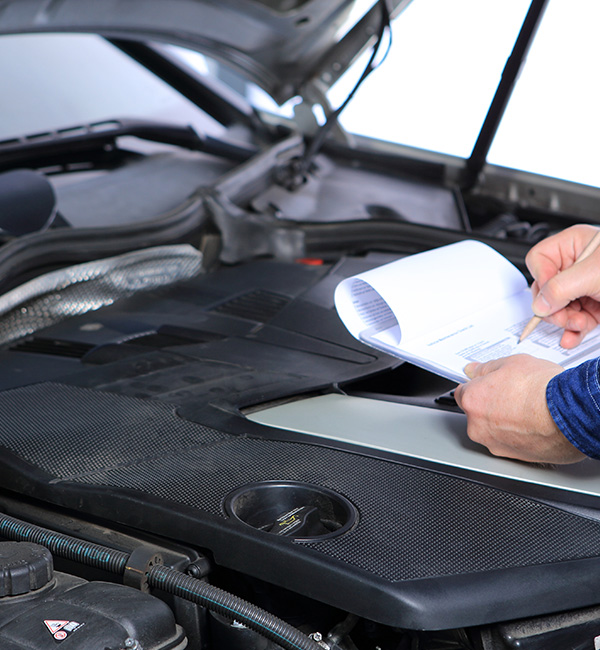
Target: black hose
64, 546
161, 577
230, 606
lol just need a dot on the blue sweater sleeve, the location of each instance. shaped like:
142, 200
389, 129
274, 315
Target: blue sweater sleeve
573, 398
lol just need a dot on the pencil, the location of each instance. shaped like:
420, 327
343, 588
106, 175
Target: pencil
587, 251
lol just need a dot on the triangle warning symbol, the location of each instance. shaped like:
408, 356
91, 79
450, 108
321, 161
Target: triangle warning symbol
55, 626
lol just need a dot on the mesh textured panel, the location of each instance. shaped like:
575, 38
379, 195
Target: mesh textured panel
257, 305
69, 431
414, 523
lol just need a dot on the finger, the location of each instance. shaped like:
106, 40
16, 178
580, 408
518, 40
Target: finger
543, 260
579, 321
592, 307
578, 325
559, 251
573, 320
577, 281
571, 339
476, 369
471, 368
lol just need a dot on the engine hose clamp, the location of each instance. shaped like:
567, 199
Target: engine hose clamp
139, 563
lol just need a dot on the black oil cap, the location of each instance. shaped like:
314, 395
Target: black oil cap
24, 567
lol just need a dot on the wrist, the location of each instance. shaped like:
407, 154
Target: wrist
573, 400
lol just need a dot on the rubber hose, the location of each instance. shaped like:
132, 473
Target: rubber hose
64, 546
161, 577
230, 606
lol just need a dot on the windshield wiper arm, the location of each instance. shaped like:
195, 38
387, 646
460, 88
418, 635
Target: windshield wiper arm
61, 145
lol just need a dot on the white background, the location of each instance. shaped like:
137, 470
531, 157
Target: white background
446, 60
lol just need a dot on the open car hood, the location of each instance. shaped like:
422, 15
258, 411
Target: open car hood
279, 44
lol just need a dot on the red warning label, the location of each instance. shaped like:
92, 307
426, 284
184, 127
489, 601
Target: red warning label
61, 629
55, 626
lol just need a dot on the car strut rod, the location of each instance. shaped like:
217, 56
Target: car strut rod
510, 74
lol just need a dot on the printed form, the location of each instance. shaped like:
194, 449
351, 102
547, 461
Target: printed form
444, 308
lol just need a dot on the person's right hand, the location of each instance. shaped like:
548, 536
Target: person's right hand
564, 294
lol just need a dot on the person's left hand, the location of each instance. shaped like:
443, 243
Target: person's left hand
505, 404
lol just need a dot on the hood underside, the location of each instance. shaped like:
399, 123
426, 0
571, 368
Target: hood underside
279, 44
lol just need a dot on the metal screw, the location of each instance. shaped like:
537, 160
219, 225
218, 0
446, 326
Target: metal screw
132, 644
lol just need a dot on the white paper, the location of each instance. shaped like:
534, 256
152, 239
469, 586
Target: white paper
444, 308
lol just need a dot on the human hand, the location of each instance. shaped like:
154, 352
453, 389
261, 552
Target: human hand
564, 294
505, 404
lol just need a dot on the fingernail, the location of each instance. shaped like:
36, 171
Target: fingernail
540, 306
469, 369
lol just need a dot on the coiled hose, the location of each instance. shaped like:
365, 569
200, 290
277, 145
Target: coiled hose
161, 577
230, 606
64, 546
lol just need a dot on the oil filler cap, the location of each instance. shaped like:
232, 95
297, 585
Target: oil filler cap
24, 567
303, 521
298, 511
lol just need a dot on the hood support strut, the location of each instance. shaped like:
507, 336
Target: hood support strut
510, 74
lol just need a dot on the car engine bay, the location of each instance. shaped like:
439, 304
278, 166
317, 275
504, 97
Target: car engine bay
195, 451
128, 433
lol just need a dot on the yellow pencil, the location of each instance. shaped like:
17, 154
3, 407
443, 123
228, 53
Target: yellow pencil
587, 251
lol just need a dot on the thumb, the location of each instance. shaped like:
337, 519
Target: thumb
577, 281
471, 368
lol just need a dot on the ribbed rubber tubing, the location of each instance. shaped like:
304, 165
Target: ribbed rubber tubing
161, 577
64, 546
230, 606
